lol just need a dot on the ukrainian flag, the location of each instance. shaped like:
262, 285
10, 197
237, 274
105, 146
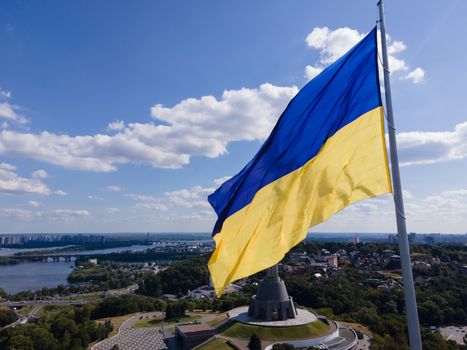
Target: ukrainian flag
326, 151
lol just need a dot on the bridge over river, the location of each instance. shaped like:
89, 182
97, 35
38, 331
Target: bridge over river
52, 257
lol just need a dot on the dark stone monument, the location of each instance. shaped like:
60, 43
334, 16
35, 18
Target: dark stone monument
272, 302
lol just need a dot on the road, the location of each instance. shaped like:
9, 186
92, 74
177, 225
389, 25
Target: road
23, 319
68, 299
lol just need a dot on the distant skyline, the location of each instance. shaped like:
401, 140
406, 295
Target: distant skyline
124, 116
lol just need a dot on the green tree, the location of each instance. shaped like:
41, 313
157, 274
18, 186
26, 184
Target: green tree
150, 285
254, 342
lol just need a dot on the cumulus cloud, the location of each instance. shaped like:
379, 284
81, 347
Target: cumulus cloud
116, 125
193, 127
221, 180
12, 183
95, 198
332, 44
34, 204
194, 199
11, 113
416, 76
15, 213
60, 193
427, 147
40, 174
312, 71
56, 215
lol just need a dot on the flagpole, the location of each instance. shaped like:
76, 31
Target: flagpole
409, 289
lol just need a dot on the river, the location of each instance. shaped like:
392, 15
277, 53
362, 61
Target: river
37, 275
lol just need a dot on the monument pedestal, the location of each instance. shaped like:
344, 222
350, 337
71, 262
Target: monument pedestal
272, 302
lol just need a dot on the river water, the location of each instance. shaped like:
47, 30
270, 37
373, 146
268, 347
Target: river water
37, 275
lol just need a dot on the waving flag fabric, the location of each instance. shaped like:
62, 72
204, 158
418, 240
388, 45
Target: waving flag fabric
326, 151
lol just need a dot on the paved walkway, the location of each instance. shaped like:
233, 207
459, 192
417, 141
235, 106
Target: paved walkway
454, 333
129, 338
303, 317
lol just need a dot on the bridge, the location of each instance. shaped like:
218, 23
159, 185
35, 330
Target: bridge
55, 257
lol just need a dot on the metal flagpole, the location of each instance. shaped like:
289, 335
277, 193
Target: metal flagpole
409, 290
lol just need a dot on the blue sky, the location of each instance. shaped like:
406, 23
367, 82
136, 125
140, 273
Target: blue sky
123, 116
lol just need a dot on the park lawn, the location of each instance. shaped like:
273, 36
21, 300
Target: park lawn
157, 321
48, 310
216, 344
244, 331
218, 320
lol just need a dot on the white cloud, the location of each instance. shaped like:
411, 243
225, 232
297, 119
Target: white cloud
7, 167
14, 213
191, 200
332, 44
427, 147
416, 76
312, 71
34, 204
116, 125
439, 212
95, 198
56, 215
10, 112
221, 180
112, 188
12, 183
40, 174
60, 193
151, 206
63, 215
195, 197
142, 198
193, 127
5, 94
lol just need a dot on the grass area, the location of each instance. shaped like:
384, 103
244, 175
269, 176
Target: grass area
48, 310
216, 344
244, 331
116, 323
26, 310
157, 321
217, 320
